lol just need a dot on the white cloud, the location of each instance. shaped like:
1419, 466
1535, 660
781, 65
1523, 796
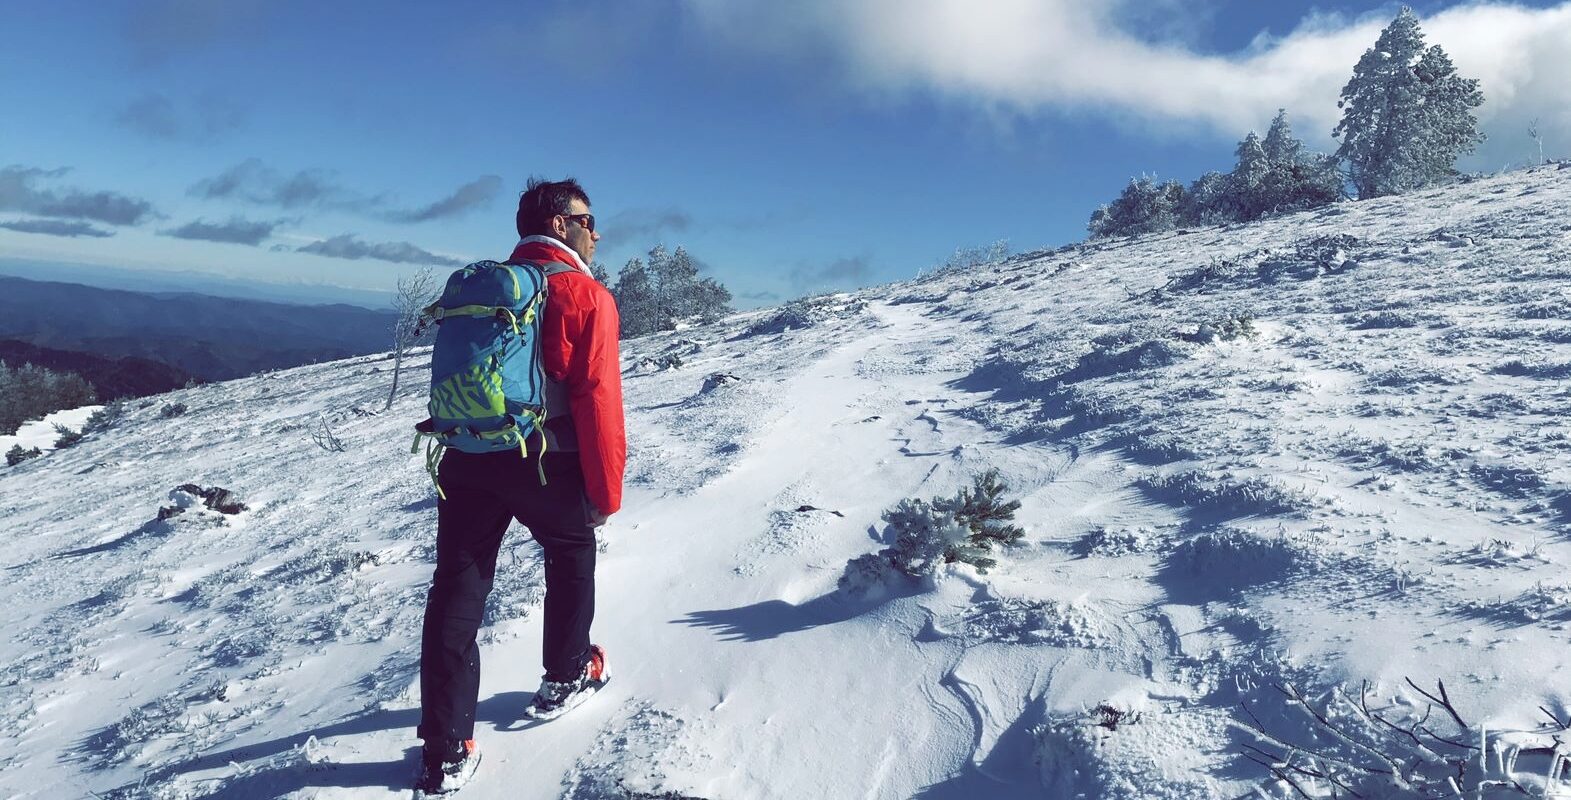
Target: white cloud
1030, 56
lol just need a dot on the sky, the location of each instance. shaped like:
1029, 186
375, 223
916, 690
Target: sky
790, 147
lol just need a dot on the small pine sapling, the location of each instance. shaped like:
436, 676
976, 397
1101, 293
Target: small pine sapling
925, 537
17, 455
983, 512
963, 528
65, 437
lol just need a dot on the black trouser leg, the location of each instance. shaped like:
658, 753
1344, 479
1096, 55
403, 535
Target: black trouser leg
470, 526
569, 599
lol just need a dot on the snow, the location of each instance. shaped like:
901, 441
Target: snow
1315, 451
41, 433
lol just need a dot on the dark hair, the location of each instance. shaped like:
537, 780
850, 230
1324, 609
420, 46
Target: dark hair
544, 199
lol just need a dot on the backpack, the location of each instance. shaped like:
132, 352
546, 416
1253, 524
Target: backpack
487, 378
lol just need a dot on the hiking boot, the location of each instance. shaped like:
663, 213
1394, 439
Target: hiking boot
444, 770
555, 698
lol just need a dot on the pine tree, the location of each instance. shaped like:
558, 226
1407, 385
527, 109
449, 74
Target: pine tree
635, 300
1296, 180
1144, 206
1205, 201
1248, 188
1406, 114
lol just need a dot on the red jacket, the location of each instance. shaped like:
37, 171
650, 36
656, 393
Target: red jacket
578, 340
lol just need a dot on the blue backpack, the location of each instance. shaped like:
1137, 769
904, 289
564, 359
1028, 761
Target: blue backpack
487, 379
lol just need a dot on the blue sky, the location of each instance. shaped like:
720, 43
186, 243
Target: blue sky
792, 147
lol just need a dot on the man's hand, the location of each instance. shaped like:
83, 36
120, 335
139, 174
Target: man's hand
596, 516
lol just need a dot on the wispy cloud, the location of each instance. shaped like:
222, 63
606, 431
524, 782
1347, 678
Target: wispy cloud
644, 225
475, 194
346, 245
252, 181
205, 118
237, 230
1032, 56
19, 192
840, 273
55, 227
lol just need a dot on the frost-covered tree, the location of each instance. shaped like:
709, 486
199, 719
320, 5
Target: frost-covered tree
1407, 116
415, 294
667, 290
1145, 206
635, 300
1295, 179
600, 275
1248, 184
30, 392
1205, 202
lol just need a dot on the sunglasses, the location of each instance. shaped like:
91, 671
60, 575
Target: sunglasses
586, 220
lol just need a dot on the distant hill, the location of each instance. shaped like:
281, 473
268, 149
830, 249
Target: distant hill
113, 378
211, 338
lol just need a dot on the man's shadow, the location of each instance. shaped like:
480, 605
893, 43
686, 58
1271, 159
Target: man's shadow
499, 710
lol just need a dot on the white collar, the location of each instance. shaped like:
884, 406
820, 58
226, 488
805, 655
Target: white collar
558, 244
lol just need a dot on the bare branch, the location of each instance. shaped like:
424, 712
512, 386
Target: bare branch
1444, 701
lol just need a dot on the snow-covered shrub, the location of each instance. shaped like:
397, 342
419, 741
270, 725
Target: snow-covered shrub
1076, 623
927, 535
1229, 550
1508, 480
1112, 360
17, 455
1113, 542
806, 312
104, 418
1542, 370
1381, 320
926, 538
1311, 258
1225, 328
171, 410
967, 258
869, 575
1221, 493
65, 437
716, 380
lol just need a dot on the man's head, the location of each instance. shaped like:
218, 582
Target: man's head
559, 209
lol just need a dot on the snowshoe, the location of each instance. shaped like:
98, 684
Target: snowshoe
442, 773
555, 698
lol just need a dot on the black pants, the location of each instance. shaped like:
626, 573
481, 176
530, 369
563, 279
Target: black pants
485, 493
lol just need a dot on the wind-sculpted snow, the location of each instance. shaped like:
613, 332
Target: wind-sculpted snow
1258, 466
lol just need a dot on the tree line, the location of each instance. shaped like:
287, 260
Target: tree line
30, 392
1407, 116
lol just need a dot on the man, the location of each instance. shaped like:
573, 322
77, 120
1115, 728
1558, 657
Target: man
560, 496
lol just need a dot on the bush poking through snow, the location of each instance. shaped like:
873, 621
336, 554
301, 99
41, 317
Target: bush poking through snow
172, 410
65, 437
806, 312
1220, 494
927, 535
17, 455
104, 418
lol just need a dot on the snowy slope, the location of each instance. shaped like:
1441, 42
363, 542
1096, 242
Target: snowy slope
1321, 450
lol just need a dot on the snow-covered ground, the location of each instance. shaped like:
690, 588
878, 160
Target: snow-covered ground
41, 433
1314, 452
